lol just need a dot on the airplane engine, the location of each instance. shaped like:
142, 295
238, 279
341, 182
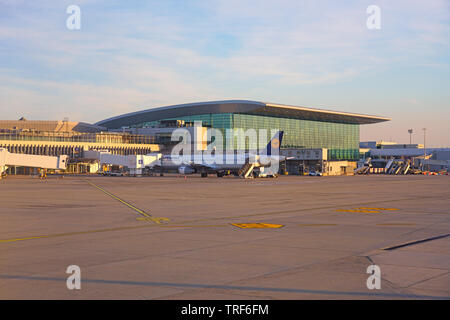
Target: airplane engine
186, 170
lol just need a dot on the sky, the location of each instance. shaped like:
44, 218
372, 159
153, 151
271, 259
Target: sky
134, 55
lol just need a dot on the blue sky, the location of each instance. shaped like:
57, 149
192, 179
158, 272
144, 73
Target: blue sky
130, 55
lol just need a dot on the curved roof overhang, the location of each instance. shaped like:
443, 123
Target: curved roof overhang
238, 106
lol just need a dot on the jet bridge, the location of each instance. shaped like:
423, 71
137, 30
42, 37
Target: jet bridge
8, 159
134, 163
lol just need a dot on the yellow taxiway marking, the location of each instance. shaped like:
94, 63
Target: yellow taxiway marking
256, 225
154, 219
107, 230
195, 226
396, 224
367, 210
145, 216
387, 209
358, 210
317, 224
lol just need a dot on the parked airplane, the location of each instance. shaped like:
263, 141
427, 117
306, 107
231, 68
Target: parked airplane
238, 164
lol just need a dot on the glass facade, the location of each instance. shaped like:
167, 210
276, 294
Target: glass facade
341, 139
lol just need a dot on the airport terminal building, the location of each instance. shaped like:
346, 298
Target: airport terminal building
304, 128
314, 139
55, 138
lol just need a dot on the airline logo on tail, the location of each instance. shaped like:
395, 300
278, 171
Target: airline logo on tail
275, 143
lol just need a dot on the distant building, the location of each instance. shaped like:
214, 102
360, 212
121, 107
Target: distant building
432, 159
441, 154
25, 125
304, 128
388, 145
334, 133
368, 145
55, 138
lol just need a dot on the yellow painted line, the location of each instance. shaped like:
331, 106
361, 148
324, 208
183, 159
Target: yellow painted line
57, 235
146, 216
70, 234
118, 199
193, 226
387, 209
318, 225
256, 225
396, 224
358, 210
154, 219
23, 239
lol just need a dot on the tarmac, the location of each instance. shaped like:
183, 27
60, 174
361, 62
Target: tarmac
173, 237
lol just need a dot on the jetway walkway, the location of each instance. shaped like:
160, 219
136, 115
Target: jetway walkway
8, 159
134, 163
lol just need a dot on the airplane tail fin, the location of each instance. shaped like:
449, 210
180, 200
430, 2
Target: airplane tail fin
274, 144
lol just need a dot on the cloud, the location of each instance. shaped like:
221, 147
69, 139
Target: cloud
142, 54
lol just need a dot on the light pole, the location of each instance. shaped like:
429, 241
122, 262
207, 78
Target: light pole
410, 131
424, 147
